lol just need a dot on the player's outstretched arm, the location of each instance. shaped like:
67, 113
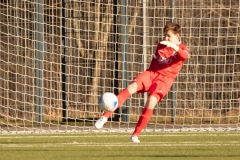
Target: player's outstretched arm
170, 44
182, 52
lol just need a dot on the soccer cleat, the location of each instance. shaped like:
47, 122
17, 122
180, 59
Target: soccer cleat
134, 139
100, 122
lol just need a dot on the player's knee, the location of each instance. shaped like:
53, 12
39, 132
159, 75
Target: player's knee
135, 86
139, 84
152, 101
158, 96
132, 88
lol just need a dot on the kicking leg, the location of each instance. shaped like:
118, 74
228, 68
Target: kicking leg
122, 97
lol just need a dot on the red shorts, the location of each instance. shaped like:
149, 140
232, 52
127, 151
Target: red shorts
154, 83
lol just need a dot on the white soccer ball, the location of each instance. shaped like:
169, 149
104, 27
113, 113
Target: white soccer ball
108, 101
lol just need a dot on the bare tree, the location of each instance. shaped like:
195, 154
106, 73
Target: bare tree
106, 23
77, 29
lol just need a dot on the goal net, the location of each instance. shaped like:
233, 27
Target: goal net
58, 57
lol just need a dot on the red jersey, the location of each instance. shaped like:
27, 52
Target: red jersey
167, 61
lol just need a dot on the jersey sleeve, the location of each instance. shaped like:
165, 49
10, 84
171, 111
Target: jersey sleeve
156, 51
159, 46
183, 52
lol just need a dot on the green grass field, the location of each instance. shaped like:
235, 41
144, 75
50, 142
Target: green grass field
87, 146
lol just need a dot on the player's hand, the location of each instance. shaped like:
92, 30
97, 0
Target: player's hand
170, 44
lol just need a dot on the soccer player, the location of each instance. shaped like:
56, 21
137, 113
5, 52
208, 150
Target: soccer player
166, 63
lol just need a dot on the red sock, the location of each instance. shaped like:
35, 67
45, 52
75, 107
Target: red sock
143, 121
122, 97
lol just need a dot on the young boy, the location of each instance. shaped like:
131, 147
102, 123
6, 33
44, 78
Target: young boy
157, 79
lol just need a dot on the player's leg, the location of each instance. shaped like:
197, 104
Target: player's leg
146, 115
157, 91
137, 85
122, 97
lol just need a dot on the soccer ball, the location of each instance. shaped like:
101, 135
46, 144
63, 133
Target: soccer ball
108, 101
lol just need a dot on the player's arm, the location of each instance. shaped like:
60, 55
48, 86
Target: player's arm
156, 51
182, 52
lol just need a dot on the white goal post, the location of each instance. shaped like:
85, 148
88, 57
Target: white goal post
58, 57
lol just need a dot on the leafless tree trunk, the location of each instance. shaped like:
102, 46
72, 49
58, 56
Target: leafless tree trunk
133, 20
77, 29
103, 39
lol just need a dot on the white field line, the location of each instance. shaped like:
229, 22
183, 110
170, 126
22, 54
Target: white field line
209, 143
119, 130
115, 135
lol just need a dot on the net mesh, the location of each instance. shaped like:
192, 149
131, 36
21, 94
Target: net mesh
57, 58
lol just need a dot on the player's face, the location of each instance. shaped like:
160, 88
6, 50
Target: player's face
174, 38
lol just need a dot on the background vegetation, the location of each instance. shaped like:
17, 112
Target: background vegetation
207, 88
